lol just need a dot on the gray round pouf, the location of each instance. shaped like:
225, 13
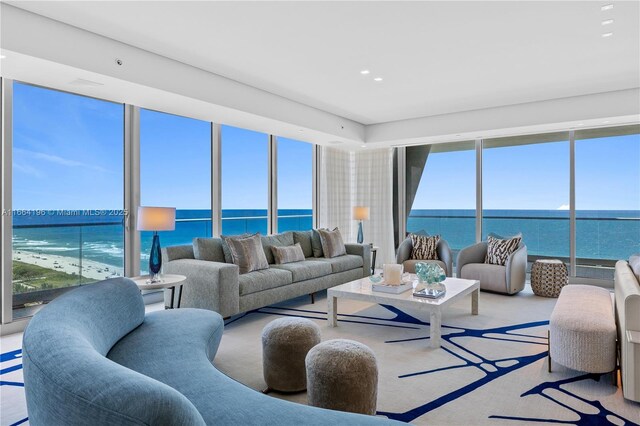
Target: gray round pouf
285, 344
342, 375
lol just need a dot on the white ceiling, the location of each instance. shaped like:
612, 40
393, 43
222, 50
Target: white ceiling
435, 57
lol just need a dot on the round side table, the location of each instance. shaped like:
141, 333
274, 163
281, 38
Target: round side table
166, 281
548, 276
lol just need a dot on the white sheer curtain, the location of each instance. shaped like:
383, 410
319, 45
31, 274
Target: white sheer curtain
359, 179
373, 188
336, 191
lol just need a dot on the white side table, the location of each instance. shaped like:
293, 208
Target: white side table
166, 281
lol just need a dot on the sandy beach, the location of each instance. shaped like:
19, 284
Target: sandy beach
69, 265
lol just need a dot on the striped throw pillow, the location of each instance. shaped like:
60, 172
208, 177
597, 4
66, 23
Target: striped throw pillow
288, 254
424, 247
247, 253
499, 249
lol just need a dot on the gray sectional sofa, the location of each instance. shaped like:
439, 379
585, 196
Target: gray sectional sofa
214, 282
627, 293
92, 357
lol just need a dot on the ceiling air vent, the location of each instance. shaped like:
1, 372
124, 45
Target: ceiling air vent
85, 83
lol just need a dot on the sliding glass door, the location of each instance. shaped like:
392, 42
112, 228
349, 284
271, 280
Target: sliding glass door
67, 193
607, 199
295, 185
245, 181
442, 192
175, 171
525, 189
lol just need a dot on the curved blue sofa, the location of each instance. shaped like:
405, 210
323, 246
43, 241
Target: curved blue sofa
92, 356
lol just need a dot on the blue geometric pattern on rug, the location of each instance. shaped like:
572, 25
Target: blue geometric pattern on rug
11, 356
493, 369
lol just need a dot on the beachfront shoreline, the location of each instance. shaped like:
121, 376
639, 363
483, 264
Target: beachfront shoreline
69, 265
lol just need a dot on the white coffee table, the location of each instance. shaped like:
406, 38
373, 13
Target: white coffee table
361, 290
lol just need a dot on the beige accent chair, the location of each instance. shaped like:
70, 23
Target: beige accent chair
507, 279
627, 293
444, 255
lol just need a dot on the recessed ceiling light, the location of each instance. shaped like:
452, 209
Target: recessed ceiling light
607, 22
365, 72
606, 7
605, 35
377, 79
606, 121
363, 146
580, 124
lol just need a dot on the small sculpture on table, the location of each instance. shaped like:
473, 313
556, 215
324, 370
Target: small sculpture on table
430, 280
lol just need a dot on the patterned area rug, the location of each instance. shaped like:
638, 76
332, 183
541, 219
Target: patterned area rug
491, 368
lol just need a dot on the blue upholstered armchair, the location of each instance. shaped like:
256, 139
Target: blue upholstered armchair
507, 279
445, 258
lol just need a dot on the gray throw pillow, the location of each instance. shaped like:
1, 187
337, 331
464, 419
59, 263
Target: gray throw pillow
288, 254
304, 238
247, 253
424, 247
210, 249
316, 243
225, 247
278, 240
332, 244
499, 250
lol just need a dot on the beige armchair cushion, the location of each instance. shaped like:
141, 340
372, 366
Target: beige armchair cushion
492, 277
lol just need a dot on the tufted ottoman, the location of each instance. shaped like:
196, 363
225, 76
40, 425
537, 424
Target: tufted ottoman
583, 330
285, 343
342, 375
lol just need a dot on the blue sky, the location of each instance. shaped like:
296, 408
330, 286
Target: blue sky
68, 154
536, 177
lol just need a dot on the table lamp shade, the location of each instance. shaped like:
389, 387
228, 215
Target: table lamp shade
156, 219
361, 213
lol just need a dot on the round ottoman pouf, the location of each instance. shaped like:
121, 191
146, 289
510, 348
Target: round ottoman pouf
342, 375
285, 343
548, 277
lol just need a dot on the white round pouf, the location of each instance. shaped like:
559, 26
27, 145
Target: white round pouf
342, 375
285, 344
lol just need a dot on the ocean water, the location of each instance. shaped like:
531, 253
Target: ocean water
611, 234
98, 235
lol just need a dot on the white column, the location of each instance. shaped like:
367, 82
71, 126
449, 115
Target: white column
6, 224
216, 179
131, 189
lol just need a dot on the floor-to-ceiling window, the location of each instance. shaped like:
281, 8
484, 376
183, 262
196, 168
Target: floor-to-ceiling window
245, 181
175, 171
295, 185
67, 193
441, 191
607, 198
526, 189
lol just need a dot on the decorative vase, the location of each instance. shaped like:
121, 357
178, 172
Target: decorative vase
155, 258
430, 277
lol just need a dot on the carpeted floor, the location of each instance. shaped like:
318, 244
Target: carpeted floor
491, 369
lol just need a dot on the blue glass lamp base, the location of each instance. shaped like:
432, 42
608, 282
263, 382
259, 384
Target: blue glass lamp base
360, 233
155, 259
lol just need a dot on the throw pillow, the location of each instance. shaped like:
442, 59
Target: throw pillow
332, 244
304, 238
316, 243
225, 247
288, 254
247, 253
499, 249
280, 240
424, 247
